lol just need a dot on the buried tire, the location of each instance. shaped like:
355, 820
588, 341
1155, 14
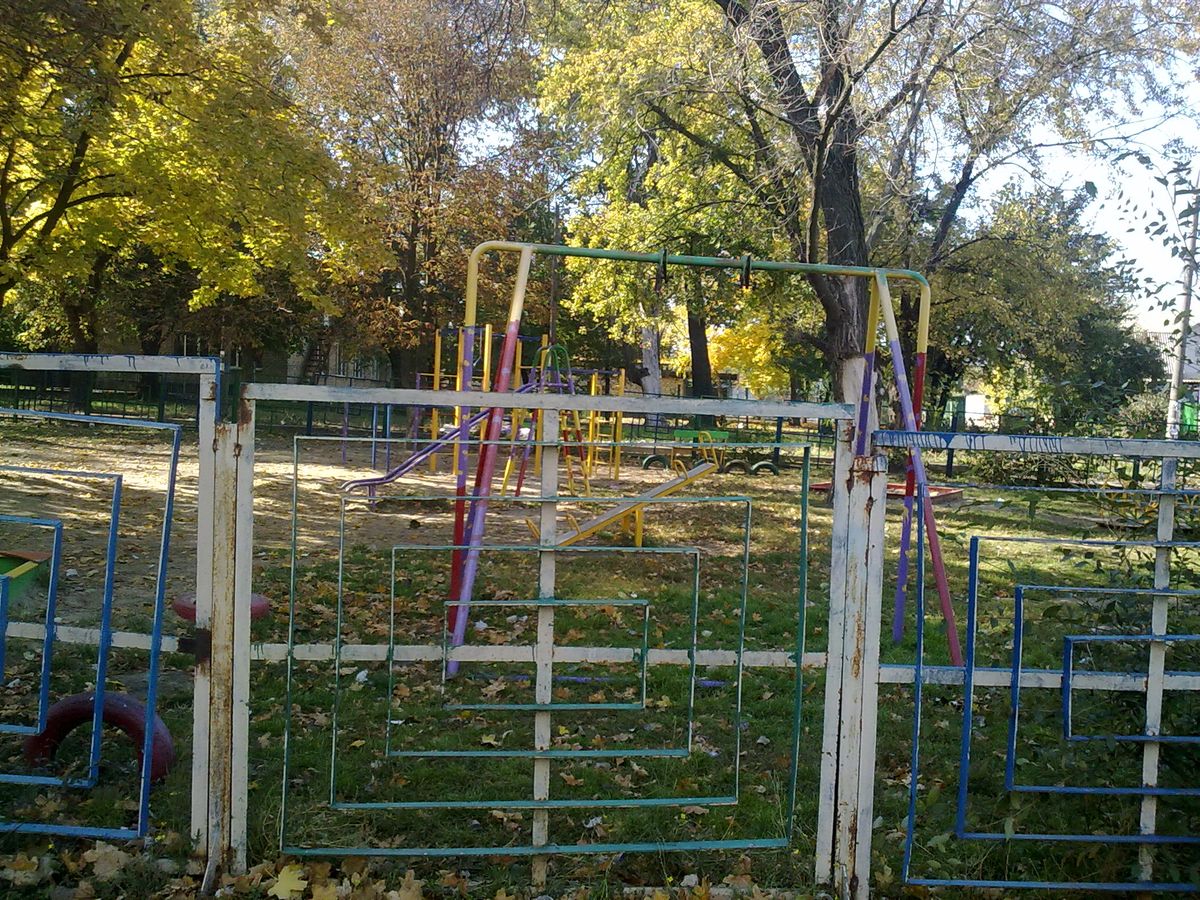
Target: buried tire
120, 711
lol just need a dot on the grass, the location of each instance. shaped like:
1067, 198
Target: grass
373, 708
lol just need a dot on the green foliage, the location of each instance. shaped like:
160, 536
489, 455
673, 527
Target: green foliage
161, 126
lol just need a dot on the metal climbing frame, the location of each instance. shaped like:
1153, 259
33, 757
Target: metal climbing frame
49, 634
1043, 782
549, 657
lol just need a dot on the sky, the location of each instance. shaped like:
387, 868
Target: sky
1071, 170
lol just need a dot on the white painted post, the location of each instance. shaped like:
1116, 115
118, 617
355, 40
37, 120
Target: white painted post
223, 583
204, 576
240, 681
220, 662
544, 649
843, 459
1156, 667
846, 791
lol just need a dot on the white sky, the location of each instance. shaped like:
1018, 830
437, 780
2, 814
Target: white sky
1072, 169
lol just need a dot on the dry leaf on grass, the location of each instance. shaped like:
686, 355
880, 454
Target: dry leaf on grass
290, 881
106, 860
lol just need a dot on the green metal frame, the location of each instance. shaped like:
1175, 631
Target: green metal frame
781, 841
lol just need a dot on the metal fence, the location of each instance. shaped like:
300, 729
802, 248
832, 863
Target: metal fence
614, 673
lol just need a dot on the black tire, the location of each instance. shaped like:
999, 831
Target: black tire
736, 466
655, 461
766, 467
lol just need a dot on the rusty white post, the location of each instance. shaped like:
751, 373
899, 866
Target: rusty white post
204, 578
543, 653
846, 791
240, 681
1156, 666
224, 553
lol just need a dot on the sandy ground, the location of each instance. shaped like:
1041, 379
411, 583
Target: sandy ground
142, 459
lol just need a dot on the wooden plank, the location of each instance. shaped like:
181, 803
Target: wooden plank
220, 728
681, 406
1039, 443
836, 630
544, 649
865, 748
111, 362
205, 499
1156, 666
240, 673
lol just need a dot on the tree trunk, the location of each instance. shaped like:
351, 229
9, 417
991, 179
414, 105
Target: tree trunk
697, 326
702, 375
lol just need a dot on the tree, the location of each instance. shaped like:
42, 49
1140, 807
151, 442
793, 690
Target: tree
1035, 301
832, 115
422, 103
159, 126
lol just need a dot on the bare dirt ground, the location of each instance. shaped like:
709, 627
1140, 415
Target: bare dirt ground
314, 472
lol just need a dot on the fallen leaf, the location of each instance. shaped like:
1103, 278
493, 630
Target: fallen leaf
410, 888
290, 881
106, 860
326, 891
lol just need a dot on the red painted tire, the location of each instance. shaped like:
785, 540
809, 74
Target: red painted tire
185, 606
121, 711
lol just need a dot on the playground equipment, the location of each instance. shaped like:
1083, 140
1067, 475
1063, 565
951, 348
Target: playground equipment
469, 526
634, 509
917, 480
118, 710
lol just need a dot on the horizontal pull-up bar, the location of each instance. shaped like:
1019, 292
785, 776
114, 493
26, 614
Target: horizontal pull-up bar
744, 264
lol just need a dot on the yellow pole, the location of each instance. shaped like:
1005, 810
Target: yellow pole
618, 424
593, 431
487, 357
537, 450
437, 386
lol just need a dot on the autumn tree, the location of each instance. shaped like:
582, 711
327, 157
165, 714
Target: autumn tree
832, 116
130, 127
422, 102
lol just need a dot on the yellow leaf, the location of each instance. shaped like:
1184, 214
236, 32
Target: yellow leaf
410, 888
326, 891
290, 881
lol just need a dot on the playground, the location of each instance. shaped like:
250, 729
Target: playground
531, 628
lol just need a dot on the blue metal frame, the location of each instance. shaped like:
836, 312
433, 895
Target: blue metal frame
1010, 779
960, 806
102, 646
156, 634
1069, 642
56, 529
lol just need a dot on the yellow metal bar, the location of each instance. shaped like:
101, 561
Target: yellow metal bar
487, 357
437, 386
636, 504
593, 423
23, 569
618, 428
